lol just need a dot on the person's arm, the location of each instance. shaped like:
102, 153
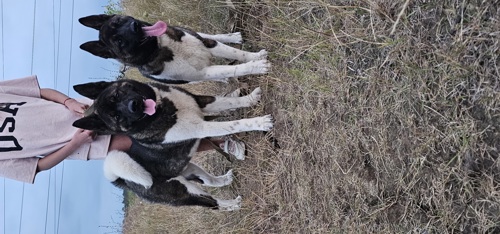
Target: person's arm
81, 136
70, 103
53, 95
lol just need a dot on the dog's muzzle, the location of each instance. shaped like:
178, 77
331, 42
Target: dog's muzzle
133, 106
135, 27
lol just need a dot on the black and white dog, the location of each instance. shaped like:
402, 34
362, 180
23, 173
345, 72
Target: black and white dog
166, 124
170, 54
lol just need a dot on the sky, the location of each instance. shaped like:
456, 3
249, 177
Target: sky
42, 37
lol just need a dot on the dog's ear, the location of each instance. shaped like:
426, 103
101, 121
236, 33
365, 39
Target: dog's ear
98, 48
95, 21
91, 90
92, 122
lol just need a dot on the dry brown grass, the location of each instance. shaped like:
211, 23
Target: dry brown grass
387, 117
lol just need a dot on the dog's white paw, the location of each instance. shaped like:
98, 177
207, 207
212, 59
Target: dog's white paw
259, 66
266, 123
261, 55
235, 93
231, 205
219, 181
226, 179
255, 96
235, 38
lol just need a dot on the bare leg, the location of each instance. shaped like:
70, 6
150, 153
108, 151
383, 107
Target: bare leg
205, 144
119, 142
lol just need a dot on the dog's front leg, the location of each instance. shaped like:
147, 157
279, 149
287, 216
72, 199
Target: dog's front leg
224, 51
228, 103
202, 129
224, 38
229, 205
220, 72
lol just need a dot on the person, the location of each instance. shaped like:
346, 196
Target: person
36, 131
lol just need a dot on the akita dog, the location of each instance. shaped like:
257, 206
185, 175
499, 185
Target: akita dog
166, 125
168, 53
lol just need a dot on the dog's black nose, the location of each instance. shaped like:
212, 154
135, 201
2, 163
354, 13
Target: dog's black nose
134, 26
133, 106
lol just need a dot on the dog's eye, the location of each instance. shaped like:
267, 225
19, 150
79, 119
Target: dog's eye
114, 98
118, 40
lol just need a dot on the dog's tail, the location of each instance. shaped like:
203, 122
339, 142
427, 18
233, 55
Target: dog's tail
118, 164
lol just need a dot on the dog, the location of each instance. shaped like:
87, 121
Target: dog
166, 124
167, 53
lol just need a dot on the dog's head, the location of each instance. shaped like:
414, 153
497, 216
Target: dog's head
123, 106
120, 37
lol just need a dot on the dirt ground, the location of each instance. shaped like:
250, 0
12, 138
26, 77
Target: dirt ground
387, 118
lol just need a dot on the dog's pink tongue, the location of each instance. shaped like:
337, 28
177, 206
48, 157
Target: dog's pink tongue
149, 106
156, 30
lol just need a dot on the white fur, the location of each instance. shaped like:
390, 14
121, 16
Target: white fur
227, 103
222, 180
190, 118
219, 72
118, 164
207, 178
229, 205
192, 60
235, 93
224, 51
224, 38
185, 130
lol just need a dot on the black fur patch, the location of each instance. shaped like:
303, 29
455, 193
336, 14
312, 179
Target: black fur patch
209, 43
156, 64
194, 178
167, 81
203, 101
156, 127
175, 33
167, 192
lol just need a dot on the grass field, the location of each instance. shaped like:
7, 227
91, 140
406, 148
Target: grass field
387, 118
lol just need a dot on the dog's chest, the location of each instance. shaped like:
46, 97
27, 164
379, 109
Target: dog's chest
189, 51
188, 115
187, 108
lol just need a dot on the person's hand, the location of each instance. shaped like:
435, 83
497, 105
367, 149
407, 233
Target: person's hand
82, 136
76, 106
